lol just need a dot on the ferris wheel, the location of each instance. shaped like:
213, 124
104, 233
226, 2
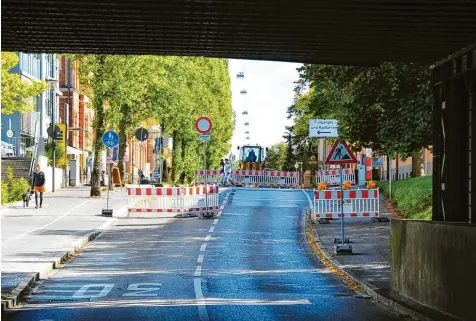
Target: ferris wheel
244, 105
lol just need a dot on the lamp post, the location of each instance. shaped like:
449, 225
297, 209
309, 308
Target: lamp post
54, 82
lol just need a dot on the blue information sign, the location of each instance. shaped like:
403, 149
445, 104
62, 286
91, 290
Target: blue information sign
110, 139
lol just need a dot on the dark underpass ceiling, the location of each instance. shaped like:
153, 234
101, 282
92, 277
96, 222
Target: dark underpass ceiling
319, 31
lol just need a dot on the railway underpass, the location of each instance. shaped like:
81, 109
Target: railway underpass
432, 262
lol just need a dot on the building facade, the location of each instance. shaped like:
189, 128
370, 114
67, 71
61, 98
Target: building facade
76, 112
32, 67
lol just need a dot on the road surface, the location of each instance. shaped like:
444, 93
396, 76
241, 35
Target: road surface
249, 264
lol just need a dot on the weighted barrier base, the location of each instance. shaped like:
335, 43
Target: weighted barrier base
343, 249
209, 214
380, 220
106, 212
338, 240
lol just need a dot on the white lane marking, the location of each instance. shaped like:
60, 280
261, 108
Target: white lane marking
200, 259
219, 214
202, 309
203, 247
211, 229
208, 237
81, 293
42, 227
150, 287
215, 221
164, 302
269, 199
308, 199
198, 271
222, 207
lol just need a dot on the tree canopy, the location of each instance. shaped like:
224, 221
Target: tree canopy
276, 156
387, 107
16, 93
174, 91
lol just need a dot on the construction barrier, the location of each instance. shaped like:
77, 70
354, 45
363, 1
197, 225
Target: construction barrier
357, 203
213, 176
274, 179
332, 177
180, 200
194, 199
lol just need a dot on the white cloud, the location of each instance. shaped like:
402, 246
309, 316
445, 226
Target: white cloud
270, 92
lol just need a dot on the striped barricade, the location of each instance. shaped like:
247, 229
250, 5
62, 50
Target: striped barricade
194, 199
357, 203
282, 179
213, 176
154, 199
179, 200
247, 178
273, 179
332, 177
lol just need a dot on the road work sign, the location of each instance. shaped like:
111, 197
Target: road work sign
320, 128
340, 154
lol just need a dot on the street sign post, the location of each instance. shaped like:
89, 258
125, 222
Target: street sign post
340, 154
204, 125
110, 139
323, 128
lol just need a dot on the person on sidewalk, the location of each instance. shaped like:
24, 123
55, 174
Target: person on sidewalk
38, 184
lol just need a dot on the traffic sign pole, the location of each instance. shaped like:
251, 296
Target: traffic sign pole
110, 139
342, 206
205, 172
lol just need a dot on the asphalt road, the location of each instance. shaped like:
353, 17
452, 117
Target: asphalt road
251, 263
31, 238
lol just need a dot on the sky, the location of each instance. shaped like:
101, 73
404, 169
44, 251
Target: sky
269, 88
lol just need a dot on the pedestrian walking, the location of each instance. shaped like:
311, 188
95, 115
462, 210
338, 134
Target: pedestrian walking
39, 181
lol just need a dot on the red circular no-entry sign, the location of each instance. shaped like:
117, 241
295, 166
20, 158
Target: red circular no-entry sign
203, 125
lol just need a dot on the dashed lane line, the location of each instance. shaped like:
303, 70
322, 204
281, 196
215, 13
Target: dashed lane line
197, 280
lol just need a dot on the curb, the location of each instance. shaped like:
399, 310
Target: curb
80, 243
369, 288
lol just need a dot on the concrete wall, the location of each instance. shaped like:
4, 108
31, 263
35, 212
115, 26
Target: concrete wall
434, 263
59, 179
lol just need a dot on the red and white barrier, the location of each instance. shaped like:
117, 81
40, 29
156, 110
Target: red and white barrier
154, 199
357, 203
213, 176
332, 177
194, 199
180, 200
274, 179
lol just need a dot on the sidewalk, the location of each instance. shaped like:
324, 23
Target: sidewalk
369, 264
34, 241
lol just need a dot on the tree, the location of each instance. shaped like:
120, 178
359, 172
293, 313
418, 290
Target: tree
386, 108
276, 156
175, 91
16, 93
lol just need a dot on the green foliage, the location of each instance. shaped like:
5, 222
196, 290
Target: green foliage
387, 107
4, 192
16, 93
412, 196
276, 156
173, 91
13, 188
60, 153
